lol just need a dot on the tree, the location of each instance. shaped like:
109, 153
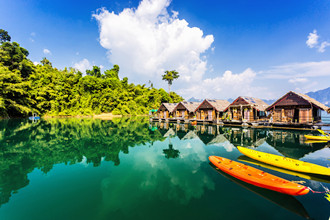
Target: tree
113, 73
169, 76
12, 54
45, 62
4, 36
96, 71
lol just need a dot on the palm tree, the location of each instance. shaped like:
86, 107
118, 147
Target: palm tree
169, 76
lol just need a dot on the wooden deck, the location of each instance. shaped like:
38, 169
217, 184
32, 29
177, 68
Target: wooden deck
246, 123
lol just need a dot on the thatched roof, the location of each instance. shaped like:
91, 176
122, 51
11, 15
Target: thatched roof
170, 132
219, 105
313, 101
169, 106
190, 106
190, 135
305, 97
220, 138
256, 103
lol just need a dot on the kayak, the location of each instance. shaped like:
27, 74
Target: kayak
315, 142
285, 201
319, 178
323, 132
258, 177
285, 162
318, 138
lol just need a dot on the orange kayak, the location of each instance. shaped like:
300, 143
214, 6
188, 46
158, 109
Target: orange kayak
258, 177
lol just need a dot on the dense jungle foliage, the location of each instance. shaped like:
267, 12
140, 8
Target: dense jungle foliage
26, 146
45, 90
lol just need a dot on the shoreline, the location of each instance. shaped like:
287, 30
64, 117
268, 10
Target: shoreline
102, 116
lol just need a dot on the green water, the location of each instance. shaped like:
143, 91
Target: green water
131, 169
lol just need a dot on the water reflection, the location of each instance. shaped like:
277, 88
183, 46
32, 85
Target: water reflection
42, 144
285, 201
146, 167
289, 143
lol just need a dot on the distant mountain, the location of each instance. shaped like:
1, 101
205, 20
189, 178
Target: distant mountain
322, 96
193, 99
230, 100
269, 101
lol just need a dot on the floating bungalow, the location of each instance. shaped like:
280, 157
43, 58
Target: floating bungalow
166, 110
294, 107
186, 110
246, 109
211, 109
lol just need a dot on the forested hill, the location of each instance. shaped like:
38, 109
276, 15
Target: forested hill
43, 89
322, 96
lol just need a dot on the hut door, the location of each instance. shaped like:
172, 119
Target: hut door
246, 114
305, 115
251, 115
296, 115
277, 115
210, 114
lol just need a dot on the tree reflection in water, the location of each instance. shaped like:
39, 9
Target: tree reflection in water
26, 145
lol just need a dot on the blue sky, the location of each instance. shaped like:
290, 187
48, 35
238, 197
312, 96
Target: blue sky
222, 49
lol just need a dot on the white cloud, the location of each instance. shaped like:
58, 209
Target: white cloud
83, 65
33, 34
298, 70
323, 45
36, 63
46, 51
298, 80
312, 39
229, 85
147, 40
312, 42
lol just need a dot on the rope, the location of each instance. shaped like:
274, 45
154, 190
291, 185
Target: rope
325, 188
316, 191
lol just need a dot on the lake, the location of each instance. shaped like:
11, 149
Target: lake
129, 168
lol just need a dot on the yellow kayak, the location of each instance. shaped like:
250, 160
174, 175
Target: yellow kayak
285, 162
318, 178
318, 138
315, 142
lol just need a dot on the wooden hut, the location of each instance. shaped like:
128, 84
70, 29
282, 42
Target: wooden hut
247, 109
166, 110
211, 109
186, 110
296, 108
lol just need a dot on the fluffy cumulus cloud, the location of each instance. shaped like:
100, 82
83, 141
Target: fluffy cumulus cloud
148, 40
313, 42
46, 51
83, 65
229, 85
323, 45
312, 39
